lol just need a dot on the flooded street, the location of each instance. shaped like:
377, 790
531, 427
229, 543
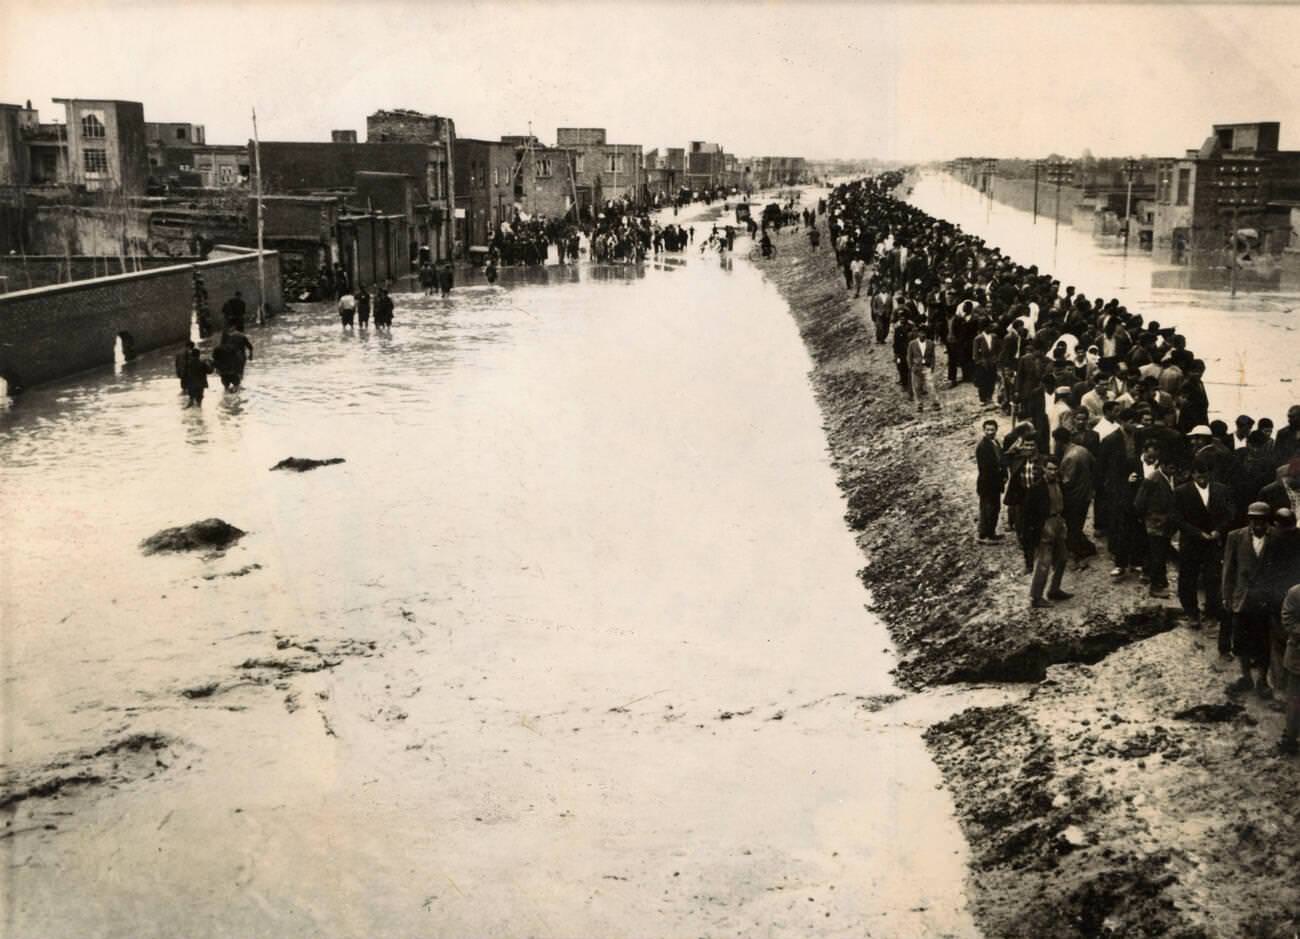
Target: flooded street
1248, 342
570, 645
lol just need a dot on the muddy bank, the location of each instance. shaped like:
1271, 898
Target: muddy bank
1127, 795
957, 610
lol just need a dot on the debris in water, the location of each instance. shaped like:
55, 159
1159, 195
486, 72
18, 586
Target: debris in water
211, 533
303, 464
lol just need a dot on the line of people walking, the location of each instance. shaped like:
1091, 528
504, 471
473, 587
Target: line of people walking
1108, 419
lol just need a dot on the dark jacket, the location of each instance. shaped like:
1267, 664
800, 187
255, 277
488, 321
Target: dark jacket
992, 473
1155, 505
1195, 518
1243, 585
1275, 495
1281, 565
1035, 513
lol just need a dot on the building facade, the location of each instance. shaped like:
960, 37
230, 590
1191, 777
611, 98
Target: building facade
106, 145
605, 170
485, 190
1238, 179
438, 135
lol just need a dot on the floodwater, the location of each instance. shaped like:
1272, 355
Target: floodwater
571, 645
1250, 343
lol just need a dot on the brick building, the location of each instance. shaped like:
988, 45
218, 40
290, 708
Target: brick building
438, 135
705, 163
100, 148
311, 168
603, 170
1237, 176
485, 190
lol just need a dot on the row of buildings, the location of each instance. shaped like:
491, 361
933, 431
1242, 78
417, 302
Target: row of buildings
1185, 209
105, 181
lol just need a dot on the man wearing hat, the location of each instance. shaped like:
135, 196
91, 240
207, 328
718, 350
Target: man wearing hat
1204, 510
1288, 438
1155, 506
1281, 573
1245, 592
1284, 492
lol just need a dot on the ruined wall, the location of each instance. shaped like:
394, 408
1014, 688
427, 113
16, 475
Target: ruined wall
53, 332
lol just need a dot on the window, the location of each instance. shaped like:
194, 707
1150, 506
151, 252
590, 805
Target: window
613, 162
180, 133
227, 174
577, 163
95, 161
92, 125
542, 168
1184, 185
496, 176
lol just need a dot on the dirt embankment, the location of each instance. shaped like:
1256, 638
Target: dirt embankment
1126, 795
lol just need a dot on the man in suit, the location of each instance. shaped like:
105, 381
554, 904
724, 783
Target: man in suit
1155, 506
920, 365
1044, 527
984, 356
1204, 511
1290, 618
1284, 492
992, 478
1245, 591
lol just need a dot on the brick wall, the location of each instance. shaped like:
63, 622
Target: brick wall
18, 273
53, 332
579, 136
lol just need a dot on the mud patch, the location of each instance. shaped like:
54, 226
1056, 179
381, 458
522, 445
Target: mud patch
238, 572
136, 756
210, 534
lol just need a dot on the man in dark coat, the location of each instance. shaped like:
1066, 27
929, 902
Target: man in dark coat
197, 370
1246, 594
1204, 510
992, 478
1287, 444
1281, 573
1044, 527
234, 311
230, 356
1283, 492
1155, 506
182, 362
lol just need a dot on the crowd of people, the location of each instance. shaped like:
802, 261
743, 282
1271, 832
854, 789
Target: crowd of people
1109, 421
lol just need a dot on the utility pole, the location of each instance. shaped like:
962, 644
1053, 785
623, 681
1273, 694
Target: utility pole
1130, 170
1058, 171
1038, 165
989, 165
261, 227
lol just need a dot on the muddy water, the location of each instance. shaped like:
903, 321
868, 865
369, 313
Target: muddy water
1250, 343
570, 645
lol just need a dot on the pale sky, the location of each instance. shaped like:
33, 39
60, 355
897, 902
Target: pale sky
895, 81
